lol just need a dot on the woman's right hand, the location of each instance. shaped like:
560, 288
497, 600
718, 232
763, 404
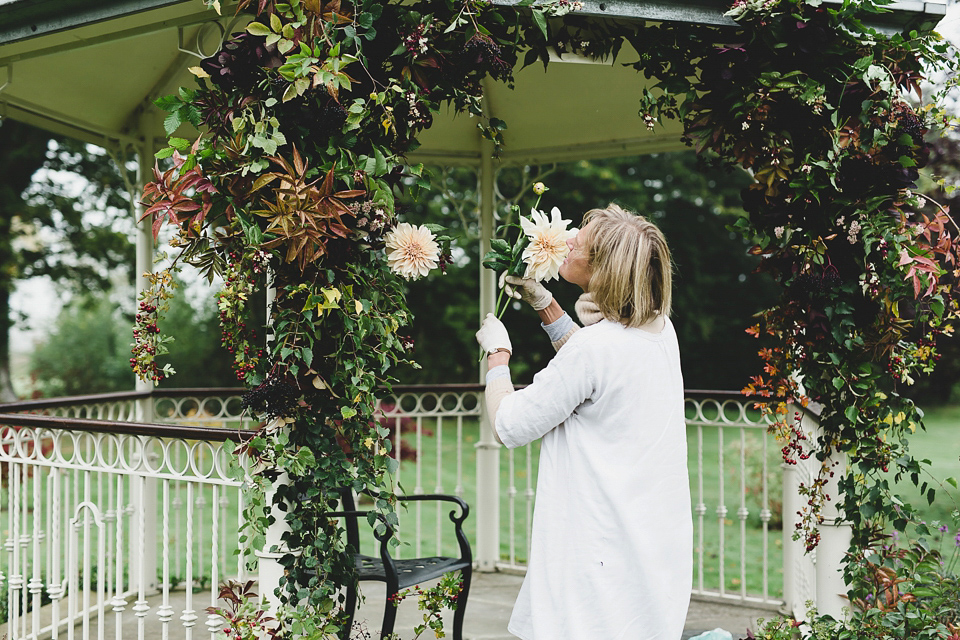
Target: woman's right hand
526, 289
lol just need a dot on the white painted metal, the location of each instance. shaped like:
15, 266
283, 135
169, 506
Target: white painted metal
69, 495
111, 472
799, 566
835, 537
488, 450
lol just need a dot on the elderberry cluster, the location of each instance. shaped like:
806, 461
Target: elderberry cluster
812, 285
273, 397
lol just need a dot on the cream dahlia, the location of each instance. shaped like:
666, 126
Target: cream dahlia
411, 251
548, 244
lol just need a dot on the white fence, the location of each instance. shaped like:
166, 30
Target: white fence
100, 516
99, 519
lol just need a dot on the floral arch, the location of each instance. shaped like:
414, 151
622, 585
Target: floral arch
306, 120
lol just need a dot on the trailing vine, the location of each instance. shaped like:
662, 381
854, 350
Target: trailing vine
305, 119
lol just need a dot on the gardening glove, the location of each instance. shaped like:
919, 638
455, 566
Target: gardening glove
526, 289
493, 335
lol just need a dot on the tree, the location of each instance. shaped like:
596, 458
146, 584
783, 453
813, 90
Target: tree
86, 352
24, 151
74, 230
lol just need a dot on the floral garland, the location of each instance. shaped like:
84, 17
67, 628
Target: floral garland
305, 120
867, 265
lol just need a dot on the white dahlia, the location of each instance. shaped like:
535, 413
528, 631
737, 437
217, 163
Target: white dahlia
411, 251
548, 244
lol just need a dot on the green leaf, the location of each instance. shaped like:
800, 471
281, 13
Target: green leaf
851, 413
347, 412
258, 29
172, 122
541, 21
166, 152
167, 103
380, 167
180, 144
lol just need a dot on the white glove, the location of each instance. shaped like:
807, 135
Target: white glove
493, 335
526, 289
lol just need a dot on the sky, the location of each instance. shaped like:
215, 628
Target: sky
39, 302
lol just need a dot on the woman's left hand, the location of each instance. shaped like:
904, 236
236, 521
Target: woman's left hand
493, 335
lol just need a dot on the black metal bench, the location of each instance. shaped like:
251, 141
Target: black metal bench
400, 574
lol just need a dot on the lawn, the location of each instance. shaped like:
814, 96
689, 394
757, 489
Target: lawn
940, 444
733, 576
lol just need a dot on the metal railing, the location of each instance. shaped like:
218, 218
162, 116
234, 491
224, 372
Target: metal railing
91, 464
102, 512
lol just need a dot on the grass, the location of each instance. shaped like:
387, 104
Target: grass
733, 576
940, 444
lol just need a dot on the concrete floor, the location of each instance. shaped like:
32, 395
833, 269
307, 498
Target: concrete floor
488, 610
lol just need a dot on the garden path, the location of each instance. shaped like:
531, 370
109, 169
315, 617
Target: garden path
488, 611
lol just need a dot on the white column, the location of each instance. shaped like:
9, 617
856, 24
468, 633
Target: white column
269, 569
835, 537
792, 550
487, 507
144, 249
144, 263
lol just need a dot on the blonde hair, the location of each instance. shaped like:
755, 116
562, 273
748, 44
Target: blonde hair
630, 267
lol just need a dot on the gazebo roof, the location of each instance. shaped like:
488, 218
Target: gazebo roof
90, 69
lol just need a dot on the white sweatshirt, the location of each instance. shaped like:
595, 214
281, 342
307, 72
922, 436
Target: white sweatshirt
612, 549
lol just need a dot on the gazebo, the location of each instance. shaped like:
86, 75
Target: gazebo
92, 70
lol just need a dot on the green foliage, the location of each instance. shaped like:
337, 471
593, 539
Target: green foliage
810, 101
716, 291
865, 264
47, 227
86, 351
905, 590
432, 602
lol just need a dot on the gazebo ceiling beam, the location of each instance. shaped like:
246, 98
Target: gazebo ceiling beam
61, 124
564, 153
23, 19
711, 11
200, 17
167, 83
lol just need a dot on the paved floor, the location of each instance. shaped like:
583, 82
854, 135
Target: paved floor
488, 610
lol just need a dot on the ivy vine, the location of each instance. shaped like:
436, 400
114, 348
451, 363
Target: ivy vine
305, 119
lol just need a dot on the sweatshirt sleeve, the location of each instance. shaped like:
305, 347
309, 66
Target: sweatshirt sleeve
560, 330
526, 415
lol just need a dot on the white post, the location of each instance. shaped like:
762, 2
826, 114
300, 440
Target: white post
269, 569
792, 550
144, 263
488, 450
144, 249
799, 566
835, 537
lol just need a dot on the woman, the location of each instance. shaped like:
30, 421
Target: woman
611, 551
